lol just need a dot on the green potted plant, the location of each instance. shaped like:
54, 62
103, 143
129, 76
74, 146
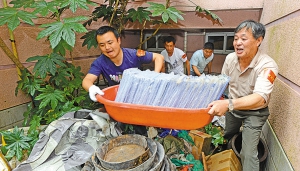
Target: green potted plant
217, 134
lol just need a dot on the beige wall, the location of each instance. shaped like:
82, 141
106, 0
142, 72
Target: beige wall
282, 21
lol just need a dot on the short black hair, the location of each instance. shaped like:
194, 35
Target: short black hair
104, 29
209, 45
170, 39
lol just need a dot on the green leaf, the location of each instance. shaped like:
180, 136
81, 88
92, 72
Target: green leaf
26, 17
28, 83
16, 142
13, 16
62, 77
140, 14
165, 17
44, 8
73, 5
34, 123
63, 30
62, 47
173, 17
14, 22
79, 3
50, 96
60, 110
56, 37
67, 34
217, 136
103, 11
75, 19
52, 27
46, 64
26, 114
166, 13
199, 9
90, 39
174, 14
209, 13
22, 3
10, 154
155, 7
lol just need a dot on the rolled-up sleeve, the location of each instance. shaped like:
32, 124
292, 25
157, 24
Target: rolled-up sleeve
265, 81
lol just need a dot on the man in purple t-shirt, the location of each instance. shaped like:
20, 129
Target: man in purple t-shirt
114, 60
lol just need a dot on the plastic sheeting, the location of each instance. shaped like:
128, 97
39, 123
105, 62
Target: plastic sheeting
67, 143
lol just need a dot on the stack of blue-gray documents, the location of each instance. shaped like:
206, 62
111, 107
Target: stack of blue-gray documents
169, 90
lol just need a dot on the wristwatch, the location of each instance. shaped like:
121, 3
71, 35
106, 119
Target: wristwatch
230, 105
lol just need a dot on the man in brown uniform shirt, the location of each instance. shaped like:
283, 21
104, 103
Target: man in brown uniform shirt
252, 76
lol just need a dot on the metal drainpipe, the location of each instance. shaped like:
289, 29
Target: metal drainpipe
185, 41
184, 47
13, 43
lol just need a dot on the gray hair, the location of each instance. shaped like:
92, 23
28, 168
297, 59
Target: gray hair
257, 29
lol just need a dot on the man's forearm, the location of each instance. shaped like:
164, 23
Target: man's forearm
209, 67
158, 62
188, 67
88, 81
249, 102
197, 72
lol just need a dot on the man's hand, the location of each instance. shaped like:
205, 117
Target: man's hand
218, 108
93, 90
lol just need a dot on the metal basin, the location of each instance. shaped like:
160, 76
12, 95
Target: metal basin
136, 162
145, 166
159, 158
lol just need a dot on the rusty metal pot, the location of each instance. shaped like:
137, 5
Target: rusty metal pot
126, 143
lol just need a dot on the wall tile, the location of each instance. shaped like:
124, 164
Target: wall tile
285, 118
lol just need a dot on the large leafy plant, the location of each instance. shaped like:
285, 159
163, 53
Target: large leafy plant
16, 143
54, 84
117, 15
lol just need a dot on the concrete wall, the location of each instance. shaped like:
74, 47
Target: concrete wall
282, 21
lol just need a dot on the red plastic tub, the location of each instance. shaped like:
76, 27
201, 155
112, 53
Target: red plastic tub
156, 116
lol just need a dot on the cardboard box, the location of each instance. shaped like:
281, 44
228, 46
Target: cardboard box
223, 161
202, 143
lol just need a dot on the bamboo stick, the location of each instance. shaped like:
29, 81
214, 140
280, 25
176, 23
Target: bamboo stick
13, 44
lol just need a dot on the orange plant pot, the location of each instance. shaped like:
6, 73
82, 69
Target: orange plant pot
156, 116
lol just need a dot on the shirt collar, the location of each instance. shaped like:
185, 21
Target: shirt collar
255, 60
253, 63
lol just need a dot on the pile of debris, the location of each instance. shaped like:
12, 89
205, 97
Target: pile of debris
95, 142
